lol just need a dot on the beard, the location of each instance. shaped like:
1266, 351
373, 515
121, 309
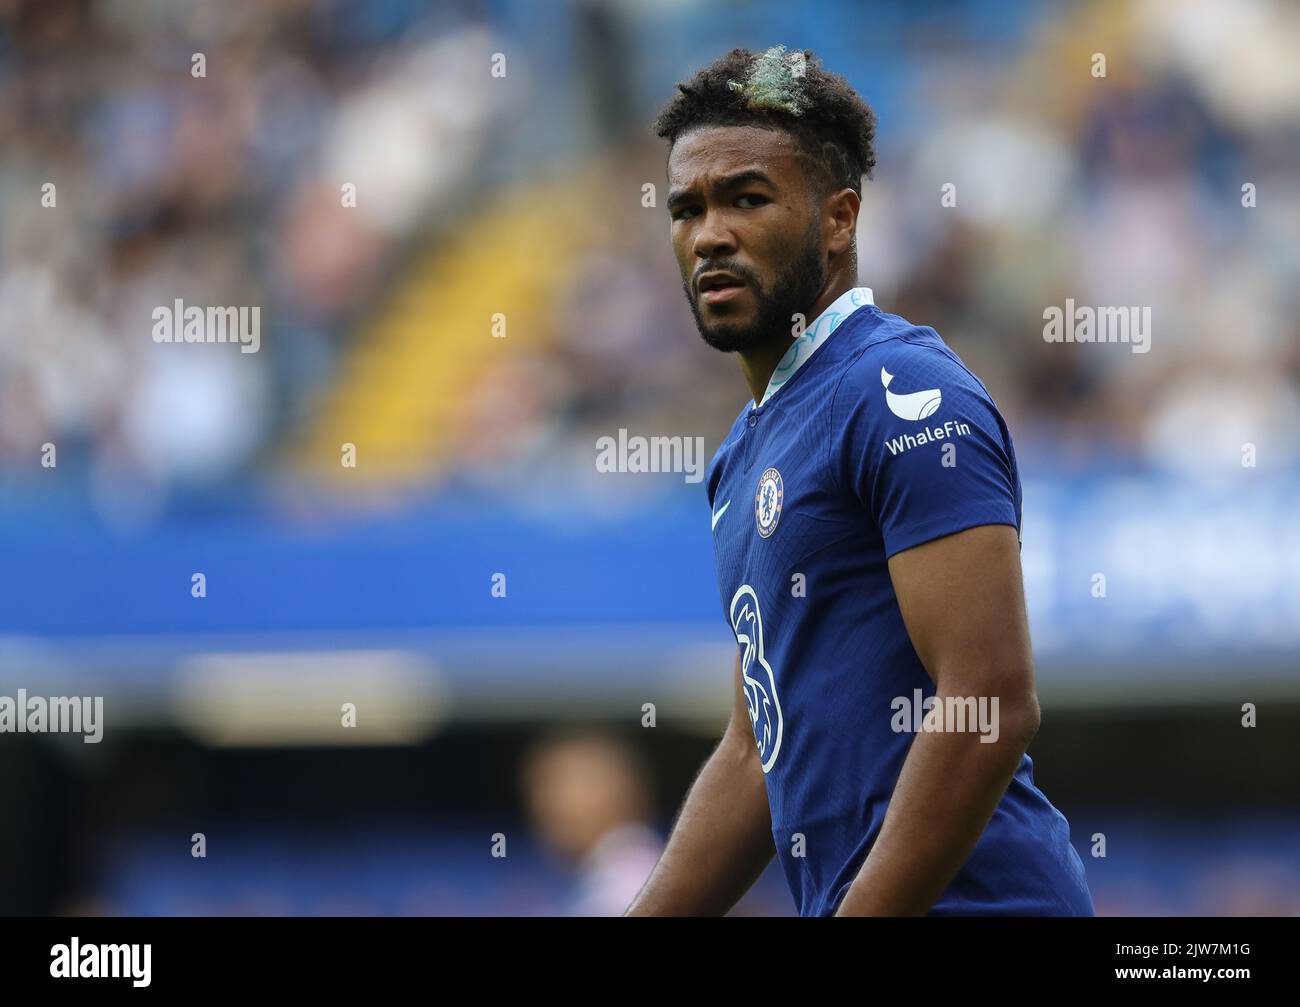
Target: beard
798, 282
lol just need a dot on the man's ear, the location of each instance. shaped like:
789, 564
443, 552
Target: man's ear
842, 212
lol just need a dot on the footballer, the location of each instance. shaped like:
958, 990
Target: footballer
865, 511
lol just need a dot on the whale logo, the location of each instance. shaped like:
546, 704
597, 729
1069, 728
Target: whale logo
756, 676
913, 405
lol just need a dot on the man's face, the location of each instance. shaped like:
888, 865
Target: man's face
740, 204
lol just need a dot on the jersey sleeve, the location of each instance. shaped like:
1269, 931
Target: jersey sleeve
917, 440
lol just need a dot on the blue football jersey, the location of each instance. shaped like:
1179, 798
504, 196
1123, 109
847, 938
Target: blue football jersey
872, 437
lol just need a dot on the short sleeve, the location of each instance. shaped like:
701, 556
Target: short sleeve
918, 441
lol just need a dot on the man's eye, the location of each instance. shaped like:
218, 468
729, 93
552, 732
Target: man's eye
757, 200
684, 213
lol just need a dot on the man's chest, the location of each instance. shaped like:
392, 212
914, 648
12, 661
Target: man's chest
778, 509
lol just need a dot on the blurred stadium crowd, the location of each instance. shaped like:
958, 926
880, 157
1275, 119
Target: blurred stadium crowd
225, 189
218, 189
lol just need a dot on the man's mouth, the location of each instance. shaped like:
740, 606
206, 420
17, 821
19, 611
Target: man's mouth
716, 288
719, 294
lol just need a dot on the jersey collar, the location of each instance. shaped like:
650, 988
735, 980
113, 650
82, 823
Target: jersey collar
814, 336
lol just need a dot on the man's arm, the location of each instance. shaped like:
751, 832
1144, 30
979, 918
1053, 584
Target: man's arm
962, 600
723, 836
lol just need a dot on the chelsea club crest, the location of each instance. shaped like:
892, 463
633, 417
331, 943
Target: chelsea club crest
767, 501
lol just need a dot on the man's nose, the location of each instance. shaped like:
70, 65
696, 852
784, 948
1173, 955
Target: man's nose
714, 239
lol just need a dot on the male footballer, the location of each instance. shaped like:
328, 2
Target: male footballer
866, 515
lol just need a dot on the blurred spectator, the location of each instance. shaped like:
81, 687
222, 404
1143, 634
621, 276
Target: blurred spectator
588, 795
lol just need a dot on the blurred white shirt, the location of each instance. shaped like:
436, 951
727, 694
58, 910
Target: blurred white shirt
615, 869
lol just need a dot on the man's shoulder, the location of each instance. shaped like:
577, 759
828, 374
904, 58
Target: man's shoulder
894, 358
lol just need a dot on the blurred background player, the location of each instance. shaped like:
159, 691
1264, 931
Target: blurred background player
589, 798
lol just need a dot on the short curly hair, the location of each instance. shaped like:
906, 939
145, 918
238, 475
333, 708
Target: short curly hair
834, 127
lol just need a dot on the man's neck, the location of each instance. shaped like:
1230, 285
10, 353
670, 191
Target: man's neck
758, 364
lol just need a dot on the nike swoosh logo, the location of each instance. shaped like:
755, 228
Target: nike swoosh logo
717, 514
